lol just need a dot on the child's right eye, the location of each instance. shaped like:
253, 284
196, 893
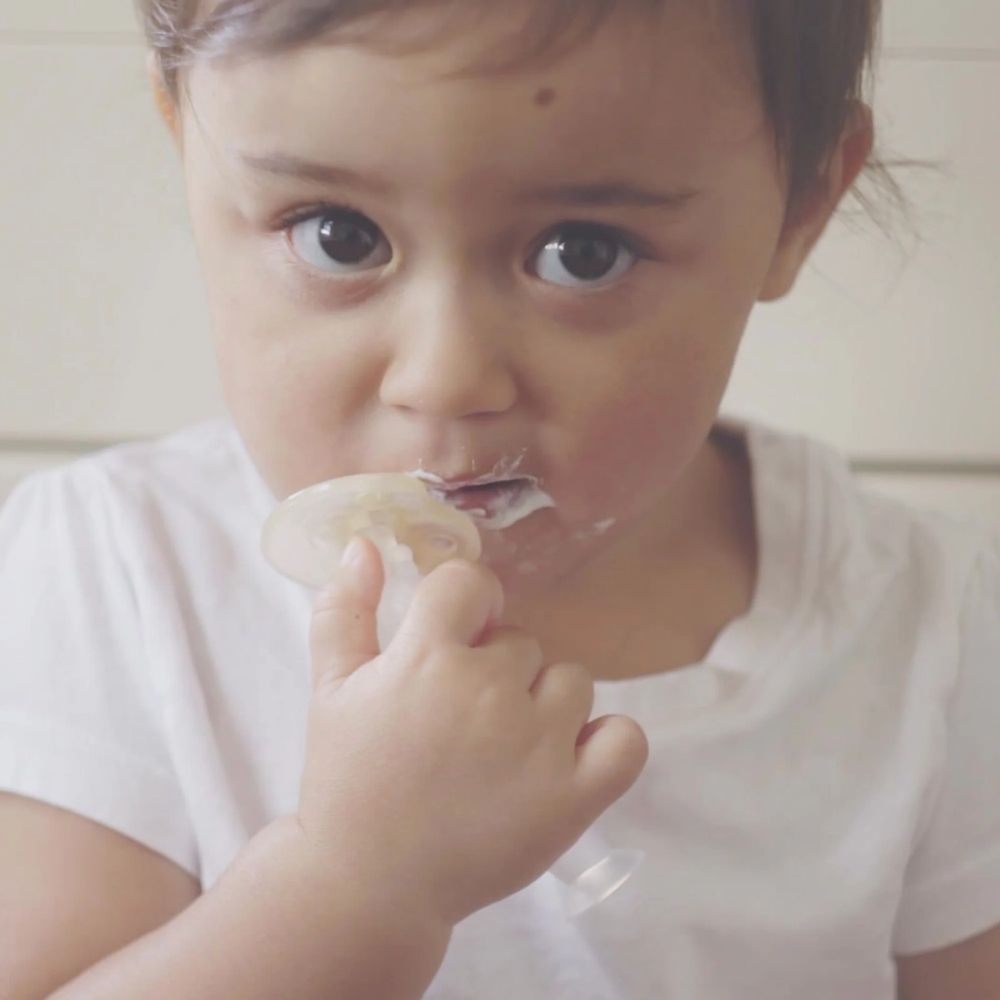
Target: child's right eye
339, 241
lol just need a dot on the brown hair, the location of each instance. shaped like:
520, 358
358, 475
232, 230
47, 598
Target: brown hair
813, 57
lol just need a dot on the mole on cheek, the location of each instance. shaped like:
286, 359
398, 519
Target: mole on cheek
545, 97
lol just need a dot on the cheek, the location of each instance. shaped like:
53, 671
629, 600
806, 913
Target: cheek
628, 449
290, 377
637, 442
294, 394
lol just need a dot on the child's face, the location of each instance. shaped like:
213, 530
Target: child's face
439, 329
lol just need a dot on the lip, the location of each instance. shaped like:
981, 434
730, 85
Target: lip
485, 498
480, 496
488, 500
451, 484
447, 479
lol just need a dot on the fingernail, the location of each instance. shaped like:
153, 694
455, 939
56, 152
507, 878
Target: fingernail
353, 554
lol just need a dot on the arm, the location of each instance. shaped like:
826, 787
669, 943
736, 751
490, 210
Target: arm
439, 777
72, 891
269, 928
969, 970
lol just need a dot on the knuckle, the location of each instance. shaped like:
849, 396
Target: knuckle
580, 682
500, 635
532, 650
511, 651
567, 678
442, 661
515, 642
528, 639
492, 698
576, 675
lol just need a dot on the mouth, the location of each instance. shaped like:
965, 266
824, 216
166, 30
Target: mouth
496, 501
486, 499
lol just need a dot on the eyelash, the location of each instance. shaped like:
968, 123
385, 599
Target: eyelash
637, 248
634, 246
293, 218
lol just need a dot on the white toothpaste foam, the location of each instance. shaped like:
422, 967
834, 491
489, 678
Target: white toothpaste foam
521, 505
509, 509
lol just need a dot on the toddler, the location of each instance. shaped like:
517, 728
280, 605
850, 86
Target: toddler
513, 245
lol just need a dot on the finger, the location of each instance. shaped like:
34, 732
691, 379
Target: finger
513, 651
343, 633
566, 690
611, 752
456, 603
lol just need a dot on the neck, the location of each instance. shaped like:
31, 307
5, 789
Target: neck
659, 597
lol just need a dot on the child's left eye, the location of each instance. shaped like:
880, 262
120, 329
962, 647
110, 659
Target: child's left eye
584, 255
339, 241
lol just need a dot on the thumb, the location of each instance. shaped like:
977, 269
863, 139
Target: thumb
343, 633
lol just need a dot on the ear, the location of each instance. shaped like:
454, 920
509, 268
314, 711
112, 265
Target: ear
165, 103
802, 231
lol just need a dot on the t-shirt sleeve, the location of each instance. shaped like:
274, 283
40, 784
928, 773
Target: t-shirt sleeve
952, 883
80, 725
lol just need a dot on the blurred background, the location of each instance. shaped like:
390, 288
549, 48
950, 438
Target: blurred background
889, 349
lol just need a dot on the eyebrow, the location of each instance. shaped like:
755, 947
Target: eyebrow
594, 195
304, 170
611, 194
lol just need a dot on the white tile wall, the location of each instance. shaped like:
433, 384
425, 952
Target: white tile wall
935, 24
94, 16
885, 349
102, 327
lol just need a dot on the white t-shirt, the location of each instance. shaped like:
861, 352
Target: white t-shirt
822, 791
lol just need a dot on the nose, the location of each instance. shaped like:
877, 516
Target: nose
450, 357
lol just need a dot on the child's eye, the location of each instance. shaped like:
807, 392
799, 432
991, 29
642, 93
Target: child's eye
339, 241
584, 255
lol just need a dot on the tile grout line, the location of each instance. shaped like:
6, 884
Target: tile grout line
928, 467
943, 53
57, 446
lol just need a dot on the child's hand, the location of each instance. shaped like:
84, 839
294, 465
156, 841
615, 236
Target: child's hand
448, 772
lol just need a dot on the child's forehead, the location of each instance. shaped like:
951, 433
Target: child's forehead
481, 37
618, 95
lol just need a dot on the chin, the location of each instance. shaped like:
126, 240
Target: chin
536, 552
